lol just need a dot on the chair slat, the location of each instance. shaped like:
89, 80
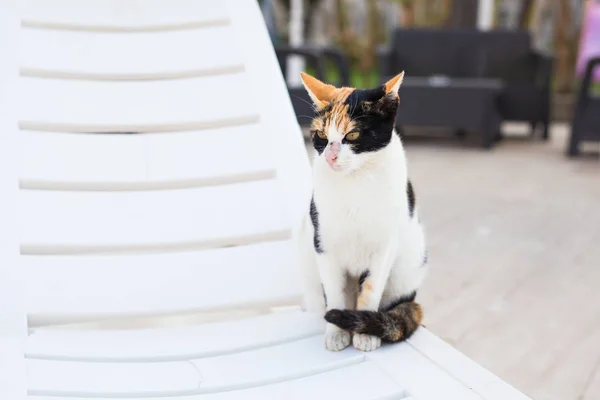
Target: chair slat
63, 378
362, 381
271, 364
344, 383
173, 343
55, 222
136, 106
150, 161
60, 159
248, 369
218, 374
123, 15
257, 275
126, 56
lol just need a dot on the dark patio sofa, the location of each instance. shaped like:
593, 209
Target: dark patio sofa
526, 75
465, 53
586, 117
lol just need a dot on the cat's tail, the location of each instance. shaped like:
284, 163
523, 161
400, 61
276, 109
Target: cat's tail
393, 325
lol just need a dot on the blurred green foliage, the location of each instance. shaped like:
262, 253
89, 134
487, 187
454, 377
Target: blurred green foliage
358, 79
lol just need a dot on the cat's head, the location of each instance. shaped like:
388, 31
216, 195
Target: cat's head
351, 125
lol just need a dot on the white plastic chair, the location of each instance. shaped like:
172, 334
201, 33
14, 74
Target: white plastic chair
193, 214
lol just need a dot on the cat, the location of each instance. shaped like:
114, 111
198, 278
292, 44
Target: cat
362, 245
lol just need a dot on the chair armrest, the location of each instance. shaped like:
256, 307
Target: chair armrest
384, 58
586, 83
311, 54
545, 64
530, 67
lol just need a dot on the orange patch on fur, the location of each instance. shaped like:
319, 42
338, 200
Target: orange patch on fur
365, 292
394, 84
418, 313
321, 93
397, 335
337, 114
329, 97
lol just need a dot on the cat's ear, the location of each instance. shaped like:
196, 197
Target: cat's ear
320, 93
393, 85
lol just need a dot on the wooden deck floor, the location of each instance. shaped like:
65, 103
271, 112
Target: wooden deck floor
514, 247
514, 237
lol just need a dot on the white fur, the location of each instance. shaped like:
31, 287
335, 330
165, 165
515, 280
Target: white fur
364, 223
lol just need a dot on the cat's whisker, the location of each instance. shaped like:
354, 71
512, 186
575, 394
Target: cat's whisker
354, 105
359, 117
307, 102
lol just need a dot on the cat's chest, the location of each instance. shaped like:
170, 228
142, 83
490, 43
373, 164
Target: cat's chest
360, 213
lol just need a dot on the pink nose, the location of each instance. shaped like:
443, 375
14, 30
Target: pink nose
332, 151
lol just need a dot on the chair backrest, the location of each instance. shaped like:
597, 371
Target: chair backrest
13, 322
162, 165
508, 54
434, 51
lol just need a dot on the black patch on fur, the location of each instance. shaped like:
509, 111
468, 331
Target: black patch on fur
374, 114
425, 258
362, 277
348, 320
408, 298
361, 95
314, 217
393, 323
410, 193
318, 143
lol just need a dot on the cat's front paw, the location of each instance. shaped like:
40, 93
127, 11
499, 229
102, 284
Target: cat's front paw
336, 339
364, 342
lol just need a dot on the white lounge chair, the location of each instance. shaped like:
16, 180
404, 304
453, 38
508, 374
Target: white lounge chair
192, 215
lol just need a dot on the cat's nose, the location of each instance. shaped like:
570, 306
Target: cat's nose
334, 147
331, 154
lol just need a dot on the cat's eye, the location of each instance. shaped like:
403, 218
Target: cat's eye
352, 136
321, 134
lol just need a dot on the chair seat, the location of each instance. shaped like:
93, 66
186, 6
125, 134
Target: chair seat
265, 357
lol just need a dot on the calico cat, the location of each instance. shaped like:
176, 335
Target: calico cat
362, 246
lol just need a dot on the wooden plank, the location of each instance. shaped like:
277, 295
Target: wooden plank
68, 288
123, 16
140, 162
173, 343
57, 222
136, 106
125, 56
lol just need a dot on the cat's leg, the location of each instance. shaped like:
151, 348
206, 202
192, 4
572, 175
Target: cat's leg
371, 292
313, 296
333, 278
408, 271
